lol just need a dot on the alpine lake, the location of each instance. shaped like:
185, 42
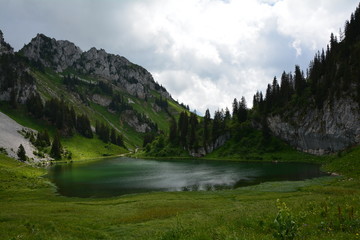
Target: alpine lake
119, 176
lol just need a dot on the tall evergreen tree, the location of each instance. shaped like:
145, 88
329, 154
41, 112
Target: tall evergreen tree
83, 126
300, 83
242, 111
193, 123
173, 131
21, 153
235, 109
207, 121
113, 137
56, 147
218, 125
183, 126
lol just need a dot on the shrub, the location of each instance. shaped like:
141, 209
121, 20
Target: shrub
284, 225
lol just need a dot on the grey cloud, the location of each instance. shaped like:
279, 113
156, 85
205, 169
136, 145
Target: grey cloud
124, 27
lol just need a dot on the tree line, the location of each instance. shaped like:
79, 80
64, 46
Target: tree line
333, 73
64, 118
192, 132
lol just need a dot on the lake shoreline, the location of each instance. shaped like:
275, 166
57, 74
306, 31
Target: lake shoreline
155, 215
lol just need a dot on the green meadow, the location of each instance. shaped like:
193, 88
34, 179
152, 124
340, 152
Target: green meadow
322, 208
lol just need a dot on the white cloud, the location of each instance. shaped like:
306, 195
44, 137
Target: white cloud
205, 52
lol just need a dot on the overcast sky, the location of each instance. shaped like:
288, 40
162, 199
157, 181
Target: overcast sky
205, 52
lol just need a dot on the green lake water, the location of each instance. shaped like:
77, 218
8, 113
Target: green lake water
119, 176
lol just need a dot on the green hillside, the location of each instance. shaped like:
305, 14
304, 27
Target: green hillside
325, 208
99, 99
50, 85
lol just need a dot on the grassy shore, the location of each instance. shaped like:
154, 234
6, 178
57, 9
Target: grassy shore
324, 208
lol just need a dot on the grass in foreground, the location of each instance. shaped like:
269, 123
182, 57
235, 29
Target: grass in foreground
325, 208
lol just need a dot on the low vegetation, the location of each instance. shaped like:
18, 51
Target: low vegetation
324, 208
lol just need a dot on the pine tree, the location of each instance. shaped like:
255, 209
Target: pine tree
300, 83
206, 136
235, 106
46, 138
173, 132
193, 122
242, 111
119, 141
13, 98
56, 147
113, 138
84, 127
21, 153
183, 126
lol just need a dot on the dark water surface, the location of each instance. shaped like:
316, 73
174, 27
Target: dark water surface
119, 176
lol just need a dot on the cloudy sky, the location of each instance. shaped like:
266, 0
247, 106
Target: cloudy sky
205, 52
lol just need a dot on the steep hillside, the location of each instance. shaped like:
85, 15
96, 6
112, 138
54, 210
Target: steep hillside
316, 113
106, 88
319, 113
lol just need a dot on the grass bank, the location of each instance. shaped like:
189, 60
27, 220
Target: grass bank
324, 208
80, 147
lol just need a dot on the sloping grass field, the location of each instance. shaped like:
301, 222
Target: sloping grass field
323, 208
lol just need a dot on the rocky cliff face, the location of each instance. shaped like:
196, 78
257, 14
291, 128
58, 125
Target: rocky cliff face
219, 142
134, 122
61, 55
16, 84
58, 55
5, 48
319, 131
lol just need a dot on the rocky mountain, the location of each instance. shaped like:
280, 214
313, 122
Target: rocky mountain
108, 89
332, 128
5, 48
16, 83
64, 55
319, 113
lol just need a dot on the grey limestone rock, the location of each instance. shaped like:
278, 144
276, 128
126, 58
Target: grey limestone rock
61, 55
202, 151
131, 119
58, 55
320, 131
5, 48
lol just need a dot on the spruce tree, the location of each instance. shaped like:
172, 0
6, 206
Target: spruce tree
193, 122
56, 147
206, 136
21, 153
183, 125
242, 111
173, 132
113, 136
119, 141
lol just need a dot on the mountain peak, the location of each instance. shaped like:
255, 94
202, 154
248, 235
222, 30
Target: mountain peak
60, 55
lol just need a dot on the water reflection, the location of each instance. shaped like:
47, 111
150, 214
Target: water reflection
118, 176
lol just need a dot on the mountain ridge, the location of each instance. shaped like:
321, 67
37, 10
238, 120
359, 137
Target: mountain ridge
108, 89
61, 55
318, 113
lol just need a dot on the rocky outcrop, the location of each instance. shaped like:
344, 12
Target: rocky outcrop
58, 55
16, 83
5, 48
132, 119
202, 151
12, 136
320, 131
101, 100
61, 55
